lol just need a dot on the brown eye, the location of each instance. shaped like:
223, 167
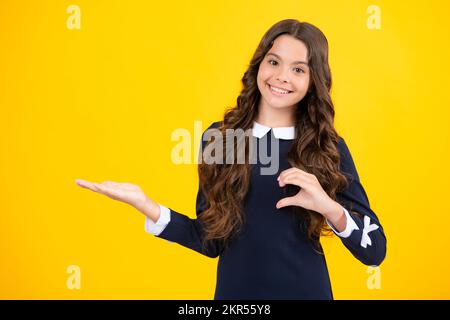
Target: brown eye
270, 62
301, 70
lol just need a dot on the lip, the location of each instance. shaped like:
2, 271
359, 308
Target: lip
276, 93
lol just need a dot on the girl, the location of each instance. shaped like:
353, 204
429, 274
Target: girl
266, 228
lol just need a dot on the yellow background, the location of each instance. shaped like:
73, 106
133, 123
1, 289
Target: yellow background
100, 103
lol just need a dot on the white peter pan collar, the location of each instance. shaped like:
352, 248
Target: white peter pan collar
286, 133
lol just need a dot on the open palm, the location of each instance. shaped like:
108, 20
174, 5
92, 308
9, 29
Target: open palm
124, 192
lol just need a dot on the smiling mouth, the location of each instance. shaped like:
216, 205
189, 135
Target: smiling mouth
278, 91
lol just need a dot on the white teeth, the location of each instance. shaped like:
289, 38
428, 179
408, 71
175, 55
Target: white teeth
278, 90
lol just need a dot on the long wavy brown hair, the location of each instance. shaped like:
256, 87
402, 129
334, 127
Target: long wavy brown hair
314, 149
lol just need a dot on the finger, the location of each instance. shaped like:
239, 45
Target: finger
95, 187
80, 182
291, 170
297, 180
310, 178
285, 172
86, 184
106, 190
285, 179
127, 184
110, 183
303, 175
101, 187
288, 201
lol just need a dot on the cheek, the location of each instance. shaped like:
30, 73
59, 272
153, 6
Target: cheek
264, 73
302, 85
261, 79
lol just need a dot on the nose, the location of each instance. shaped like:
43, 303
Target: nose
282, 77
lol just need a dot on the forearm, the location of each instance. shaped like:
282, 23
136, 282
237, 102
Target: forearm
151, 209
336, 217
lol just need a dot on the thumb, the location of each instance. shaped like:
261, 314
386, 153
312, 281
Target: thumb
289, 201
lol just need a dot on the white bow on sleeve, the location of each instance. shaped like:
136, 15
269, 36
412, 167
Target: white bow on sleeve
365, 233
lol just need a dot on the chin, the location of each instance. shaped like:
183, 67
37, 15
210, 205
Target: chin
280, 106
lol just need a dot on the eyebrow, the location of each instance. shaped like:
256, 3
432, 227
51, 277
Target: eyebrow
295, 62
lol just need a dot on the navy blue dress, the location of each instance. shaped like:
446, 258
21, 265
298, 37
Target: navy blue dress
271, 258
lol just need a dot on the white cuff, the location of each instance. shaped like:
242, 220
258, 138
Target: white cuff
157, 227
350, 226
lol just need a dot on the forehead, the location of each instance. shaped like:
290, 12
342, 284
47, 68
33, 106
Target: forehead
289, 48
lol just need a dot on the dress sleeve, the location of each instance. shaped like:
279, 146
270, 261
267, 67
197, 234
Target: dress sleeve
189, 232
157, 227
366, 241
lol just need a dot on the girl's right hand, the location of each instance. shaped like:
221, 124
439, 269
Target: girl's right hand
127, 193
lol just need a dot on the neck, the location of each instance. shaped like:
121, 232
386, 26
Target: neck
276, 117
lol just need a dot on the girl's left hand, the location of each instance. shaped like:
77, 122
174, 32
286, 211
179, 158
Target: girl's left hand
311, 196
